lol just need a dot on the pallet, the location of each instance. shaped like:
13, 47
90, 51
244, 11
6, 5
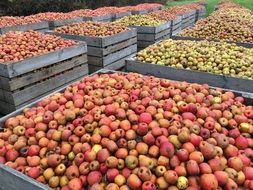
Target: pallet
57, 23
13, 69
246, 45
33, 26
101, 18
245, 86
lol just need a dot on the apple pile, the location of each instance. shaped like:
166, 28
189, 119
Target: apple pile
227, 5
11, 21
95, 29
83, 13
163, 15
111, 10
140, 20
52, 16
133, 132
213, 57
179, 10
17, 46
231, 25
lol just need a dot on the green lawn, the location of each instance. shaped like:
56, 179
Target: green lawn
211, 3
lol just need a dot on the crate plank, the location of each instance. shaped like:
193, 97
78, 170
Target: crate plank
11, 179
152, 29
25, 27
13, 69
100, 52
32, 77
139, 12
152, 37
33, 91
111, 57
113, 66
227, 82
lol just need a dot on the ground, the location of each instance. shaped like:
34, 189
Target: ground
211, 3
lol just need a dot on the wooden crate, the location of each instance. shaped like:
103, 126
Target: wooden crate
245, 86
102, 18
44, 25
147, 35
103, 51
56, 23
246, 45
25, 81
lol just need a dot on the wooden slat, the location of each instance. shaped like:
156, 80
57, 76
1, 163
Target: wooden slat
14, 69
113, 66
31, 92
36, 76
152, 29
100, 52
120, 15
139, 12
153, 37
102, 62
25, 27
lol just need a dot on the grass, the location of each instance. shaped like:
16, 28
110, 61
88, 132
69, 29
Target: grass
211, 4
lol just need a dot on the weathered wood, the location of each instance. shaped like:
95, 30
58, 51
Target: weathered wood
152, 37
25, 27
11, 179
100, 52
35, 90
152, 29
13, 69
99, 41
106, 60
43, 73
246, 45
228, 82
57, 23
113, 66
101, 18
144, 44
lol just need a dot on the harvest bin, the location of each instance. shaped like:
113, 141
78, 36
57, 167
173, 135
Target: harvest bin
25, 81
11, 179
107, 52
147, 35
227, 82
40, 26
